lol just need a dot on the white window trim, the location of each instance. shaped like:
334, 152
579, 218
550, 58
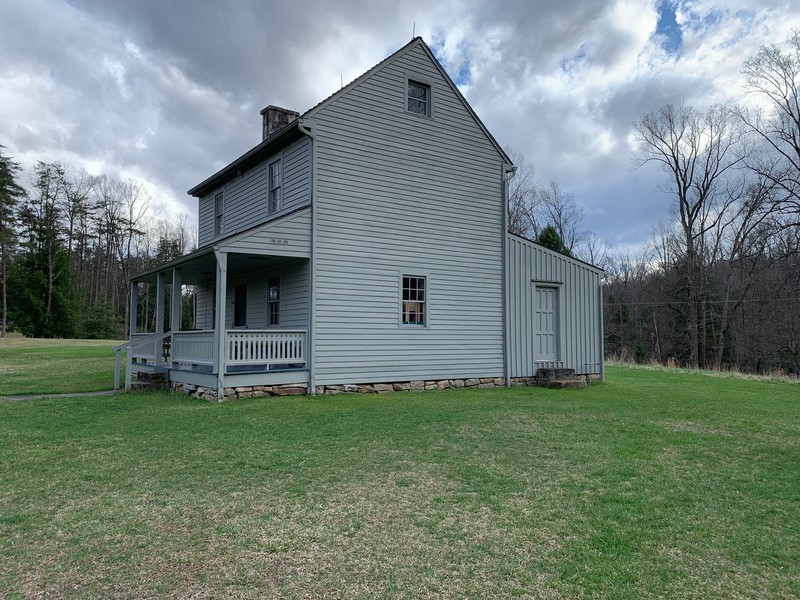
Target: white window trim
421, 79
219, 217
270, 191
269, 303
414, 272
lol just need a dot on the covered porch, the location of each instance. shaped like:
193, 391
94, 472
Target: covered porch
248, 324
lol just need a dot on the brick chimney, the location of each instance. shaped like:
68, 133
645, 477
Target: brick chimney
275, 118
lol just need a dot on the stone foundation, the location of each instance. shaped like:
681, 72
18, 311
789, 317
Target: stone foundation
301, 389
250, 391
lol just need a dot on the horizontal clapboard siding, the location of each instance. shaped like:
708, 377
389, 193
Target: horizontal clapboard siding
286, 236
579, 290
295, 298
246, 196
402, 194
294, 302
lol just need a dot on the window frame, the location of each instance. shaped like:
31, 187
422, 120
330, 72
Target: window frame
421, 81
425, 302
219, 213
273, 303
275, 184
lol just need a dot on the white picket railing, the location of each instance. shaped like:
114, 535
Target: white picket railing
265, 347
195, 347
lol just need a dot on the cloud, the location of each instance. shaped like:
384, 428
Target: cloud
170, 92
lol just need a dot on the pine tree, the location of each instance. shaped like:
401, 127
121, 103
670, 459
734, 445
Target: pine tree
10, 193
549, 238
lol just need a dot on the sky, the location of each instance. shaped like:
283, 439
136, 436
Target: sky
169, 91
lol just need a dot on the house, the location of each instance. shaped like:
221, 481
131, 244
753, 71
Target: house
364, 243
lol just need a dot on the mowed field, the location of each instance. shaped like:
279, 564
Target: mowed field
655, 484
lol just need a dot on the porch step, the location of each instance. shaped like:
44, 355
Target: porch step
151, 380
559, 379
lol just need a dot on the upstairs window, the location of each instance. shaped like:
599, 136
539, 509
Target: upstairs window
274, 300
419, 98
219, 207
414, 300
275, 187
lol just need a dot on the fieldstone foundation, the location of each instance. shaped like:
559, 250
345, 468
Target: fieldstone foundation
300, 389
250, 391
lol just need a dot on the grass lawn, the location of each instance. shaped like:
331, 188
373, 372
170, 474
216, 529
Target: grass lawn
655, 484
35, 366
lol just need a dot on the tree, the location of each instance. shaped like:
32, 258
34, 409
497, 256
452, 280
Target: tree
696, 151
10, 193
549, 238
773, 76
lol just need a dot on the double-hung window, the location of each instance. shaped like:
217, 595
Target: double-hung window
413, 307
419, 98
275, 187
274, 300
219, 208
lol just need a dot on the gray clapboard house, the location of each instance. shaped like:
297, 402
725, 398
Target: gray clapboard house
364, 242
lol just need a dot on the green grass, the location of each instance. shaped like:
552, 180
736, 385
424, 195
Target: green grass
655, 484
35, 366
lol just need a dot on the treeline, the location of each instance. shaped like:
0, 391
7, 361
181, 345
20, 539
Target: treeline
719, 285
68, 243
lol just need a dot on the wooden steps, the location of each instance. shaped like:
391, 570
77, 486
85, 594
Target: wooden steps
559, 379
151, 380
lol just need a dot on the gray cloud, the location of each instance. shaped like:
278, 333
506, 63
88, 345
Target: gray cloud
170, 91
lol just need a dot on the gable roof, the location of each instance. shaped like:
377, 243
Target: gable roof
415, 42
292, 131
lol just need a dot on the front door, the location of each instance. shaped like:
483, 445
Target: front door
240, 305
546, 322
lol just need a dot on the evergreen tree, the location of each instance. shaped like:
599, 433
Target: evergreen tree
10, 193
549, 238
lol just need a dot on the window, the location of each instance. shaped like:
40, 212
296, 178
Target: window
219, 207
413, 307
275, 183
240, 305
419, 98
274, 300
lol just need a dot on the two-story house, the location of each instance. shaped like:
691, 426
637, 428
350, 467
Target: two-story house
364, 243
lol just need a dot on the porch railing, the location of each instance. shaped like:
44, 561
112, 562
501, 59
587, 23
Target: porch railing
195, 347
265, 347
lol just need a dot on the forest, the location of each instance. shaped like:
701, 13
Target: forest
68, 245
717, 286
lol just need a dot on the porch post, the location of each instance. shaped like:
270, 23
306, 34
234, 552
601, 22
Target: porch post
134, 310
133, 316
219, 325
177, 300
161, 280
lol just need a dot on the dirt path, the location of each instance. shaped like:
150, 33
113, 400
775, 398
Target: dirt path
75, 395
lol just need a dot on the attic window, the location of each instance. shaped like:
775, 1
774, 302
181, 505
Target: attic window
419, 98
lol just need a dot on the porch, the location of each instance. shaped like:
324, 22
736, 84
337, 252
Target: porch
248, 324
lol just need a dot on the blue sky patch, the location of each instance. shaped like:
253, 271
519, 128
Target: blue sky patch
667, 29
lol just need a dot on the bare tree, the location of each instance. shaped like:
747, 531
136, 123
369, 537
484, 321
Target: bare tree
696, 151
558, 208
522, 200
773, 77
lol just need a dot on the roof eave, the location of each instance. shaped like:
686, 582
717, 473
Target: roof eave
255, 154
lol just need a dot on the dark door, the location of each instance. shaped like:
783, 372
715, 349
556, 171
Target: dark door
240, 305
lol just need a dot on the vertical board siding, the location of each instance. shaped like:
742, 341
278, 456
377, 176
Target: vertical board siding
246, 196
399, 194
579, 305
